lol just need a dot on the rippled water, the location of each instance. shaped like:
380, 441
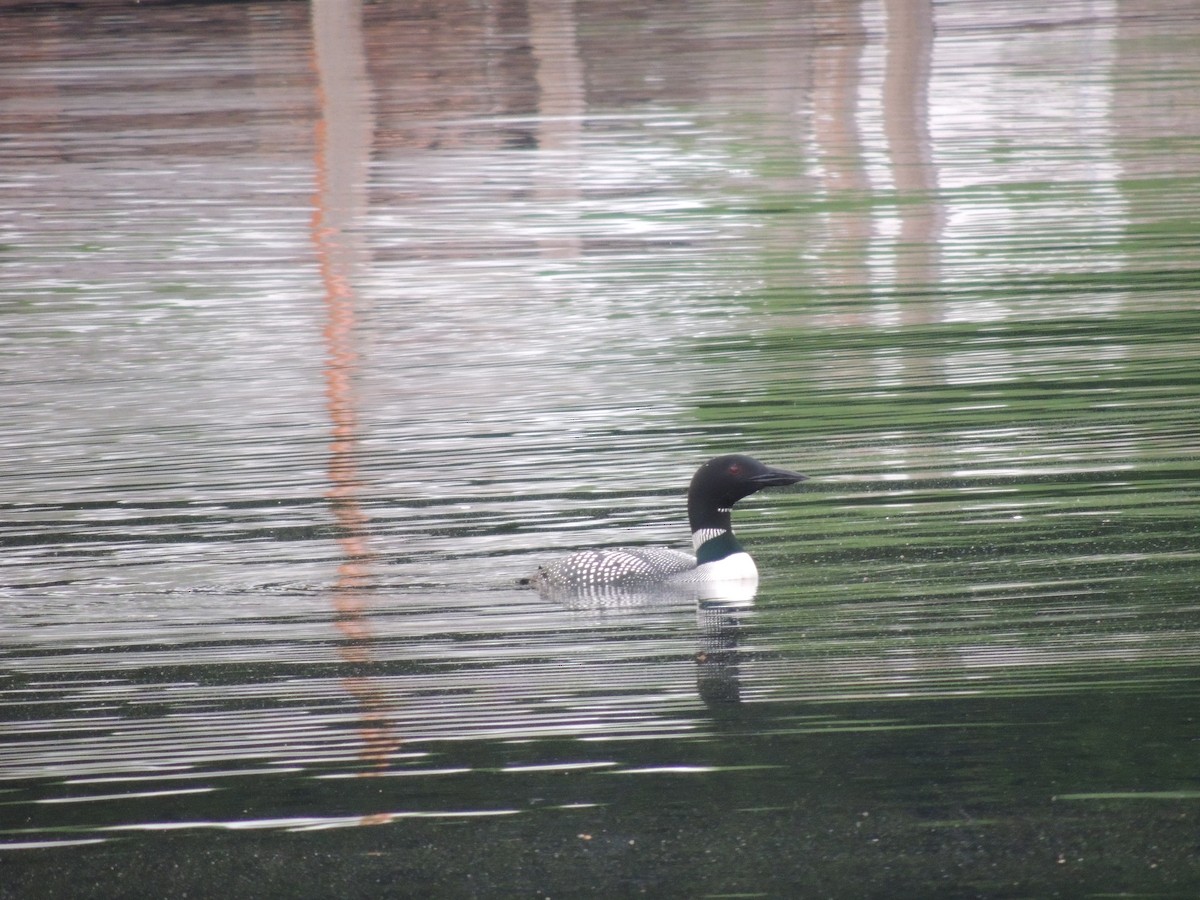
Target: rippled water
319, 329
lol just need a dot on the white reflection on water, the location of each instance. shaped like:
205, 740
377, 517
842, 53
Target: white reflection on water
314, 823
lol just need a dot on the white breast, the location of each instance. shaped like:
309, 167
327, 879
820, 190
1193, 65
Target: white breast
735, 567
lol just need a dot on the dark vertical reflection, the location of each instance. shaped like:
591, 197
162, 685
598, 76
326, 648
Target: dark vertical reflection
561, 100
343, 142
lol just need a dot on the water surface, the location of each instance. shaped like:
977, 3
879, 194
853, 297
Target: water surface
320, 328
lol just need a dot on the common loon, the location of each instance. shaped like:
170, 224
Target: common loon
715, 488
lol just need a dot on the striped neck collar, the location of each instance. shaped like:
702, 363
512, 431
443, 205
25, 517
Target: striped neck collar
712, 544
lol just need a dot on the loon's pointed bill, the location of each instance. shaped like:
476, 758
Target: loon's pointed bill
773, 477
719, 558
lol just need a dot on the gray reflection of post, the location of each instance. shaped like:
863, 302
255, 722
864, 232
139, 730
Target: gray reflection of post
561, 103
906, 128
838, 68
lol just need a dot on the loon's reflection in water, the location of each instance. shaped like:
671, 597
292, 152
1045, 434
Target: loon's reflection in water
720, 628
722, 615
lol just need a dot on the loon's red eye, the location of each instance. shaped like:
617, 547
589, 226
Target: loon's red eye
735, 469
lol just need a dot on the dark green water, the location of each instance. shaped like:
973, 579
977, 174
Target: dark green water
319, 331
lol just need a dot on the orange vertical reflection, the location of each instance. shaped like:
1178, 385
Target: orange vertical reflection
342, 144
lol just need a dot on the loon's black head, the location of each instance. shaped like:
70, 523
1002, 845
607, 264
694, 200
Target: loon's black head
723, 481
